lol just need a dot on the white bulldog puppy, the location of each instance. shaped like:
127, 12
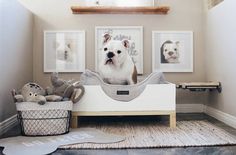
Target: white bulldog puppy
116, 66
170, 52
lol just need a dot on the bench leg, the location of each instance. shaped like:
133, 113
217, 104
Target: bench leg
74, 121
172, 120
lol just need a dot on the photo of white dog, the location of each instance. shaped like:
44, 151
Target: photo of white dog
170, 52
116, 65
64, 52
65, 56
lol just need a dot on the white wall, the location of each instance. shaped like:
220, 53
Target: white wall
16, 35
215, 62
221, 54
184, 15
16, 44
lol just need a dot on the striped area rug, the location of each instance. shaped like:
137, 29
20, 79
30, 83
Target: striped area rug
155, 135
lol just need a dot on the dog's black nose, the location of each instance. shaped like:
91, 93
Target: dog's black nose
171, 53
110, 55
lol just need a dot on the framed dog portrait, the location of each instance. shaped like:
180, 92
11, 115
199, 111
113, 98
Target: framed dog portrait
172, 51
64, 51
132, 34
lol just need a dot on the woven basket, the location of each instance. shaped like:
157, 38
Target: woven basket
50, 119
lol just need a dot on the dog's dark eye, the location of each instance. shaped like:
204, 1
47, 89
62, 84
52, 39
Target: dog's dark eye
118, 51
175, 49
165, 50
30, 94
105, 49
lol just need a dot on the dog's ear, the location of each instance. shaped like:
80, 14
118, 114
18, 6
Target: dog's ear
125, 43
177, 43
69, 45
106, 38
163, 60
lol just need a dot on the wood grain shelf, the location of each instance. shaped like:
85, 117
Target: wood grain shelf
200, 86
120, 10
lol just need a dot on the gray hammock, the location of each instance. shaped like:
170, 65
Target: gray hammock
123, 93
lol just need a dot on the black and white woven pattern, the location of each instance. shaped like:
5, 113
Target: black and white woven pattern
50, 119
44, 123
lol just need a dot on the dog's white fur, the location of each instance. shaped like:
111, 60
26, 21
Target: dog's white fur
64, 52
170, 50
118, 69
65, 55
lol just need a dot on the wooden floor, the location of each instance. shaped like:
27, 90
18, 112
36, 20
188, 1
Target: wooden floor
225, 150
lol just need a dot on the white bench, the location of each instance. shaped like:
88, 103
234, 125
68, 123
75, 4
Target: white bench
156, 99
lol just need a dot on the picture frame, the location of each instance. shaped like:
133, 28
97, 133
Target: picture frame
172, 51
133, 33
64, 51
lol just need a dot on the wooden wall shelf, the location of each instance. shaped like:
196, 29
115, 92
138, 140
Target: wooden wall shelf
119, 10
200, 86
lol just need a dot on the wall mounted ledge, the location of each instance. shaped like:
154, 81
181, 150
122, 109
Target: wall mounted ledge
120, 10
200, 86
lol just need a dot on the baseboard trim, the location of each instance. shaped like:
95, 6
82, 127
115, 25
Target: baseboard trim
221, 116
189, 108
8, 124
